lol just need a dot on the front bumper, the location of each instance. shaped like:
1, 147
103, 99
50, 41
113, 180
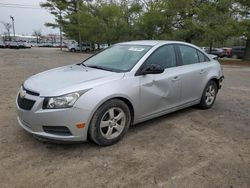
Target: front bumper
35, 120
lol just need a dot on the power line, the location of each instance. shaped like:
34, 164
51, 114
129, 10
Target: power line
15, 5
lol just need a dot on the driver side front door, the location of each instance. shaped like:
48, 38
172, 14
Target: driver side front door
160, 92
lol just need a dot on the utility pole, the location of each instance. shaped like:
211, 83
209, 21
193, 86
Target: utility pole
12, 18
79, 26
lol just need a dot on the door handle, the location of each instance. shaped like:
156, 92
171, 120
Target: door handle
202, 71
176, 78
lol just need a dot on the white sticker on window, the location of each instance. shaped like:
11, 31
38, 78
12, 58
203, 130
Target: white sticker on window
136, 49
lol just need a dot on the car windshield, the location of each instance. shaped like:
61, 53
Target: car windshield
117, 58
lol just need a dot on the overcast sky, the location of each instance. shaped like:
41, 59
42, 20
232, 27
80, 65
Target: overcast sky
26, 19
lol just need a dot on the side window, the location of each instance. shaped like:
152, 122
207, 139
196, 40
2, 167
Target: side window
202, 57
164, 56
189, 55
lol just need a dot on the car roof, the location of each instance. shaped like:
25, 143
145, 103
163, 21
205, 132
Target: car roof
150, 42
156, 42
142, 42
153, 43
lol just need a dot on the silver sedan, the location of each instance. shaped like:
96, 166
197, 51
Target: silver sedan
125, 84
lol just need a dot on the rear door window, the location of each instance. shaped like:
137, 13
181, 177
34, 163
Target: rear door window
188, 54
202, 57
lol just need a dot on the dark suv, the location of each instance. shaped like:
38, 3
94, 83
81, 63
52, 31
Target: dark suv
238, 52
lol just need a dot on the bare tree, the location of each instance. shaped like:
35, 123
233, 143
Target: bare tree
7, 27
38, 34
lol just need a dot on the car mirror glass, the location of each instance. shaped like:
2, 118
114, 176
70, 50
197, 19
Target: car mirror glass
153, 69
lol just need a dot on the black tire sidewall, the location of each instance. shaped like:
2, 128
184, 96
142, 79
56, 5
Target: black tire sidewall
94, 129
203, 103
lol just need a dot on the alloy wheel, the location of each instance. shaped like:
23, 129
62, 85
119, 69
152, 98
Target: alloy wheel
112, 123
210, 94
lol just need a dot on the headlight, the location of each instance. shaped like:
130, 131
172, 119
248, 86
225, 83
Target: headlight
65, 101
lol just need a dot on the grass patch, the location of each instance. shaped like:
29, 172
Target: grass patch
234, 62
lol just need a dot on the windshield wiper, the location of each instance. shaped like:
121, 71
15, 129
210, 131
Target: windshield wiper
83, 64
98, 67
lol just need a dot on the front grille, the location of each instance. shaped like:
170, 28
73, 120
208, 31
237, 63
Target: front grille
57, 130
25, 104
30, 92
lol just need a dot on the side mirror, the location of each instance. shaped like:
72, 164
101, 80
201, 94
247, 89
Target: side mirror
152, 69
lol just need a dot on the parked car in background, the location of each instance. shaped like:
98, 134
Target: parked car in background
238, 52
27, 45
45, 44
125, 84
205, 49
73, 47
20, 44
227, 52
2, 44
216, 51
33, 43
12, 44
101, 46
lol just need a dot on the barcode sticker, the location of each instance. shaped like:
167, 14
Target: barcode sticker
136, 49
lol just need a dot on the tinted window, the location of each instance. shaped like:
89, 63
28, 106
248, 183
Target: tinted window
202, 57
189, 55
164, 56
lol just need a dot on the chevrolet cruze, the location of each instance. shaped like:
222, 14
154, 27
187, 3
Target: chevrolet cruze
125, 84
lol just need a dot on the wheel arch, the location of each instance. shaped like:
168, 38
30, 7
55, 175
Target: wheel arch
122, 98
217, 81
130, 106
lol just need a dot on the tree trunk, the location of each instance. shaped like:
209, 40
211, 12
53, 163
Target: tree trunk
247, 50
9, 34
79, 26
60, 27
210, 46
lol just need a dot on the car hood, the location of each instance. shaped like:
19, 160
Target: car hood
67, 79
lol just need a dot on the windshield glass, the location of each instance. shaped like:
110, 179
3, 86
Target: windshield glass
118, 58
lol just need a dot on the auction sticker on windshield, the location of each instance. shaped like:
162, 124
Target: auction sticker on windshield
136, 49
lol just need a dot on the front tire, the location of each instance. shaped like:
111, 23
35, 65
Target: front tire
110, 122
209, 95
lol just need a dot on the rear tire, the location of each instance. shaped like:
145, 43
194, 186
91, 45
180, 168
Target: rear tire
110, 122
209, 95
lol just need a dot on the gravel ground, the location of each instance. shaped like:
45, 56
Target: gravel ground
190, 148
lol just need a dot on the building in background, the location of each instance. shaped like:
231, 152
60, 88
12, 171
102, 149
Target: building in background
50, 40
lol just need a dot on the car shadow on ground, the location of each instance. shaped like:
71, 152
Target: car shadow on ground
53, 145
